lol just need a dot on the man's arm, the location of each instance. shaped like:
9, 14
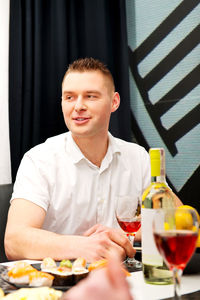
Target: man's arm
24, 238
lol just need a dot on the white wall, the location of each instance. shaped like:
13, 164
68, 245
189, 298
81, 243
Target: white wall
5, 168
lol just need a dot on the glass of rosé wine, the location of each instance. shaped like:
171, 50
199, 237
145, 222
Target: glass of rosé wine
175, 233
128, 215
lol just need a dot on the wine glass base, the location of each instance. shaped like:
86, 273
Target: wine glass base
133, 265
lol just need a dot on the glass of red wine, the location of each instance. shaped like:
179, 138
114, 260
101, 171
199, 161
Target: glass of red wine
128, 215
175, 232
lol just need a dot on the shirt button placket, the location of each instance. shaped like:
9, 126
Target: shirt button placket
100, 200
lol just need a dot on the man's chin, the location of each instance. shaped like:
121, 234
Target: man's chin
81, 134
88, 133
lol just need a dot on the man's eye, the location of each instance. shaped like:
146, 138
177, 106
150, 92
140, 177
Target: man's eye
68, 98
91, 96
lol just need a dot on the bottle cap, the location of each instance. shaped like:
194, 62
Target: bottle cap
155, 157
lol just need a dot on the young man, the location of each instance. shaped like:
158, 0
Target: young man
66, 187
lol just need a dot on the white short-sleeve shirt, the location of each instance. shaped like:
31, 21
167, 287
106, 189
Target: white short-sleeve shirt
75, 193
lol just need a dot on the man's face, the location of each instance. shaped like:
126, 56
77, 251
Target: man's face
87, 102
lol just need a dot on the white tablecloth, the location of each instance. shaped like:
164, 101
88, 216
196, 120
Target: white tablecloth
144, 291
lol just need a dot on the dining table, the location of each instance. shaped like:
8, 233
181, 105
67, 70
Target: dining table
190, 282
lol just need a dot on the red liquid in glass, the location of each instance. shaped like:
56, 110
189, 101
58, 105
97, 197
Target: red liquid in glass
129, 226
176, 247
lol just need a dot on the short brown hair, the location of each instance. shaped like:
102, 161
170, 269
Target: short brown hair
89, 64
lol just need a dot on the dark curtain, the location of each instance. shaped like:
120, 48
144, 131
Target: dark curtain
47, 35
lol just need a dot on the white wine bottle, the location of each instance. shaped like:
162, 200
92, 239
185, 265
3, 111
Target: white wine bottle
157, 195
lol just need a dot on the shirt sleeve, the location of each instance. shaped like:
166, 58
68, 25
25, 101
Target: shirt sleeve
31, 182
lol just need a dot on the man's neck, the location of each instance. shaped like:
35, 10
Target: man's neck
94, 149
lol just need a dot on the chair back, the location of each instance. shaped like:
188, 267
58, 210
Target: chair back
5, 195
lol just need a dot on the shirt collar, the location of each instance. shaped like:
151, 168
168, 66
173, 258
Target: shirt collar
73, 150
112, 149
113, 144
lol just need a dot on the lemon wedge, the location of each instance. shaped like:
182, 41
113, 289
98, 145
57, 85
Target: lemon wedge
190, 207
184, 219
166, 226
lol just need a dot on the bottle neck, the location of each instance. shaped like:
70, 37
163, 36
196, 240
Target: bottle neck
158, 165
160, 178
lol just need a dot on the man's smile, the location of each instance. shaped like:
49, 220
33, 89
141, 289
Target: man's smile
81, 120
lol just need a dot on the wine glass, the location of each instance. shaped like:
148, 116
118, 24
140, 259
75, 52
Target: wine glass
128, 215
175, 232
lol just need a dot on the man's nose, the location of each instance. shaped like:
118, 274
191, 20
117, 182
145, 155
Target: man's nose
80, 105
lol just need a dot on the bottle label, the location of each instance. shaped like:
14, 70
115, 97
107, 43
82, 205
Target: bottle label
150, 254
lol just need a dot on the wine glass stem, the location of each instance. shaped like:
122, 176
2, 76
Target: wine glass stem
177, 280
131, 238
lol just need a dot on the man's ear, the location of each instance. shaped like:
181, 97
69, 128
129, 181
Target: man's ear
115, 102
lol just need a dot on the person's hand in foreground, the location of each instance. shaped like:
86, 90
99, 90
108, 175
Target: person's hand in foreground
108, 283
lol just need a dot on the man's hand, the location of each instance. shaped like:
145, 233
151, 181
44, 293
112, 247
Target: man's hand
101, 240
138, 236
107, 283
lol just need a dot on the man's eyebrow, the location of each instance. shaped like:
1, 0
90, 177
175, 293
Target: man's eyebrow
67, 92
86, 92
93, 91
